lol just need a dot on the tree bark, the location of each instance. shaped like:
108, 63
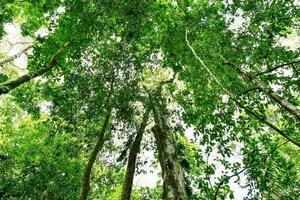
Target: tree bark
134, 150
6, 87
172, 172
85, 186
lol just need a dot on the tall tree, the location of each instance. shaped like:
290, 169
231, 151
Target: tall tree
85, 185
172, 172
131, 163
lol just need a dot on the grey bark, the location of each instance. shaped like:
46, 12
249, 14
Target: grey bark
172, 172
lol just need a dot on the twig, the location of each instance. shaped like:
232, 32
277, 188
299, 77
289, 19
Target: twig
241, 171
277, 67
9, 59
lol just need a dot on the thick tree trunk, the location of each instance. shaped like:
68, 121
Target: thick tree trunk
172, 172
6, 87
85, 185
134, 150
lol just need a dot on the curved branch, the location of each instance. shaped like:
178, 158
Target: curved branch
277, 67
227, 178
8, 86
242, 170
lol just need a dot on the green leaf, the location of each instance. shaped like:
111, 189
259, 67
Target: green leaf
3, 78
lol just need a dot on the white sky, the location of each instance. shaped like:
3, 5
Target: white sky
13, 42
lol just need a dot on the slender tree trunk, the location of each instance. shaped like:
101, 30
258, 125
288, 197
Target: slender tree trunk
85, 185
293, 110
6, 87
172, 172
134, 150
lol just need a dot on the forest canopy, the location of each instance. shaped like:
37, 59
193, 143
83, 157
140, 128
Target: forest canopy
149, 100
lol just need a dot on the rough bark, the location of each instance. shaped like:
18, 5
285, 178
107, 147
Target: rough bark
293, 110
6, 87
134, 150
172, 172
85, 185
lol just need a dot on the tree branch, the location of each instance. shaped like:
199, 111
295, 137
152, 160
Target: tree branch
241, 171
233, 98
249, 90
293, 110
263, 120
277, 67
8, 86
167, 81
227, 178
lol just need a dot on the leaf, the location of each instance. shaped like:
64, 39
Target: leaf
3, 78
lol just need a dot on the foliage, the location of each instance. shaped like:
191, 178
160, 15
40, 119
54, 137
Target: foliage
217, 72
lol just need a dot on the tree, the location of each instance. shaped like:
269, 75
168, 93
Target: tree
207, 86
134, 150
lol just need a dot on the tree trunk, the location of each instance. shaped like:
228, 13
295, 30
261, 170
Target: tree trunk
172, 172
85, 185
134, 150
6, 87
